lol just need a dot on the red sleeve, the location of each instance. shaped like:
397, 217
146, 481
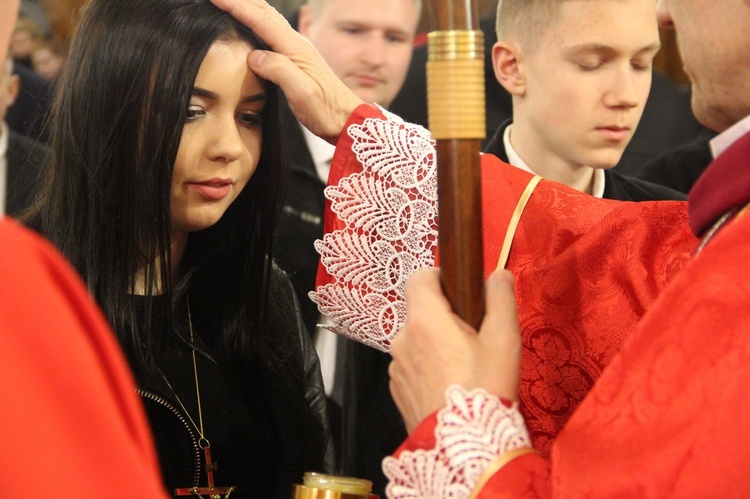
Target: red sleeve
343, 164
71, 421
527, 476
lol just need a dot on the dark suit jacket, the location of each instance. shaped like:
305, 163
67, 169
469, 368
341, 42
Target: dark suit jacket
25, 162
679, 168
616, 185
28, 113
301, 221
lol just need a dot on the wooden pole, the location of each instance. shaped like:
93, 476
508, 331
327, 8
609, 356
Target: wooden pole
455, 95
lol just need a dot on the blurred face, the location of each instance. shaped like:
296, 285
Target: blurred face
22, 44
367, 43
587, 81
46, 63
221, 140
713, 41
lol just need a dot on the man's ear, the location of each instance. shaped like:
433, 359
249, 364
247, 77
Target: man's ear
14, 85
506, 64
305, 20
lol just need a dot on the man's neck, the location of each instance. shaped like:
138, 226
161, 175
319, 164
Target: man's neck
538, 159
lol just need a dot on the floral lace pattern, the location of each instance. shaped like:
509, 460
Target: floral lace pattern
472, 431
390, 211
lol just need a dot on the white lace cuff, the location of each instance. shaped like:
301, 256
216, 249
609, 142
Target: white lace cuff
472, 431
389, 210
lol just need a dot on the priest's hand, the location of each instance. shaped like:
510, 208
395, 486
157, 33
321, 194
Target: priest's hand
436, 349
315, 94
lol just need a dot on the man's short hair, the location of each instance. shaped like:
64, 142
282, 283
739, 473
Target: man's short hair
525, 20
316, 6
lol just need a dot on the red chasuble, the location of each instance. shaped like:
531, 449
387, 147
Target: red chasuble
71, 423
586, 269
667, 418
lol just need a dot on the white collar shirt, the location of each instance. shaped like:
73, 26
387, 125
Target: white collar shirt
721, 142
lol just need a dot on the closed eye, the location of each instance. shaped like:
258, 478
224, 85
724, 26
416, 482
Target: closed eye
590, 67
642, 65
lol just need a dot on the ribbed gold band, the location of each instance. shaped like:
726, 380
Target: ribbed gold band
455, 84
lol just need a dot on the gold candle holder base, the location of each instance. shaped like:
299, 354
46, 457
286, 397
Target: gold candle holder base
320, 486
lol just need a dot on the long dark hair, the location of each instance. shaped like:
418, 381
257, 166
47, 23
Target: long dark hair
115, 130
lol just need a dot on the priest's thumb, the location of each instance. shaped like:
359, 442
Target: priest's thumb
500, 335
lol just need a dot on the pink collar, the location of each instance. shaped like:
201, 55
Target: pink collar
724, 186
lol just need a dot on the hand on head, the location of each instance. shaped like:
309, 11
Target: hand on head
436, 349
316, 96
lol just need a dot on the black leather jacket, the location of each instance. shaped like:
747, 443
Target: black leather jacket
267, 425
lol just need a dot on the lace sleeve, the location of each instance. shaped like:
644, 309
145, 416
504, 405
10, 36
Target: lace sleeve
473, 430
389, 212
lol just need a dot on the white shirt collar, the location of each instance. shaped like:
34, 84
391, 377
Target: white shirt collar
4, 138
514, 159
321, 152
721, 142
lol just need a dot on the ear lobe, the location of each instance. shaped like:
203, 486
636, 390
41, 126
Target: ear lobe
506, 64
14, 85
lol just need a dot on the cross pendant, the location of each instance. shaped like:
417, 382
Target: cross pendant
211, 491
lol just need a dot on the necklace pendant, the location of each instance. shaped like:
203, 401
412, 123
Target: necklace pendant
211, 490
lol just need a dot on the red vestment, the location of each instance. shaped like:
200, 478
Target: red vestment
667, 416
71, 423
586, 269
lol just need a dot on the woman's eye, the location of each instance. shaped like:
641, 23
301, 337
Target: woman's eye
194, 112
250, 119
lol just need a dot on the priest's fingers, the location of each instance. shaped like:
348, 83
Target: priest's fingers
500, 338
432, 351
316, 96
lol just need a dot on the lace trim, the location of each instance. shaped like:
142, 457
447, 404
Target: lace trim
472, 431
390, 213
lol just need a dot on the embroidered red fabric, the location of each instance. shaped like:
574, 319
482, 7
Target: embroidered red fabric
578, 298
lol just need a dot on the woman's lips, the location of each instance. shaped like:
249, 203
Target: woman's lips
213, 189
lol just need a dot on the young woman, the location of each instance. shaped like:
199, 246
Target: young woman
166, 180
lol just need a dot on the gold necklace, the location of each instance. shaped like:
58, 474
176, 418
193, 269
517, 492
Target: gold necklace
211, 490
